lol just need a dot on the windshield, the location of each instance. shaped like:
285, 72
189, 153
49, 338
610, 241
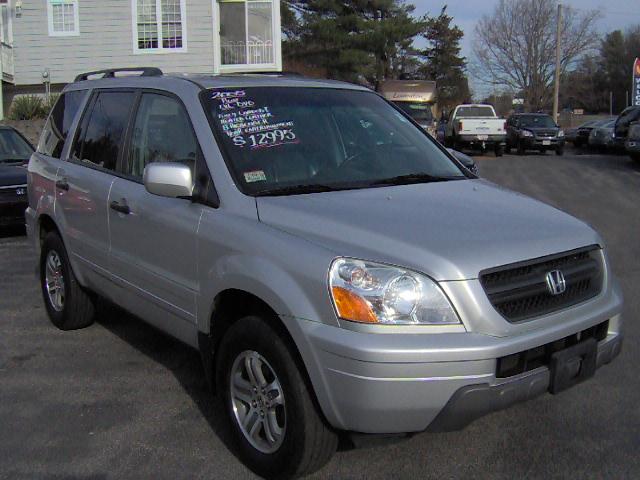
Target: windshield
475, 111
319, 139
13, 148
420, 112
537, 121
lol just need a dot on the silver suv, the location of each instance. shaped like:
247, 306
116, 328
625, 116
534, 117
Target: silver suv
341, 274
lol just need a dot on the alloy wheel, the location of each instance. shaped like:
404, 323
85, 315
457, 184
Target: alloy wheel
258, 401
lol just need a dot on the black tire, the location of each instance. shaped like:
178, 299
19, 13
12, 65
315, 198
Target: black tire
308, 442
521, 150
560, 151
498, 150
635, 156
77, 308
507, 148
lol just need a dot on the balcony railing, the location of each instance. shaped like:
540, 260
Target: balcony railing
6, 56
247, 53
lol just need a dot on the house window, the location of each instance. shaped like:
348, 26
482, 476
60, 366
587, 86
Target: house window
246, 32
63, 18
159, 25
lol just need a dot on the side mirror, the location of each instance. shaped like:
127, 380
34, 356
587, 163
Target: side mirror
168, 179
466, 161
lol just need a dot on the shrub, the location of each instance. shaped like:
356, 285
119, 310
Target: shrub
27, 107
48, 106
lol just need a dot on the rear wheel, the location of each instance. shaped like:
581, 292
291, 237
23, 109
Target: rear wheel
68, 305
498, 150
276, 424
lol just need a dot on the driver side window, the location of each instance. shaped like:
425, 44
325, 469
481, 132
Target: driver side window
161, 133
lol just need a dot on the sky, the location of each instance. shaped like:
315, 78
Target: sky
615, 14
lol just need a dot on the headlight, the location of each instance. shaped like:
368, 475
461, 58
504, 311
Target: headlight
369, 292
526, 133
560, 133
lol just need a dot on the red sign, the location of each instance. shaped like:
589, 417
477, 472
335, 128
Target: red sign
635, 98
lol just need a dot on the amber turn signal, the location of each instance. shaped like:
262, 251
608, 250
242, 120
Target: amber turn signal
352, 307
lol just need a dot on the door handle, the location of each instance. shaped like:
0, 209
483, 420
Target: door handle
62, 184
120, 208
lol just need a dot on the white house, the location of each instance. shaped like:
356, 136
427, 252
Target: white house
66, 37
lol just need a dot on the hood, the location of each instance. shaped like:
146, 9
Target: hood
13, 175
448, 230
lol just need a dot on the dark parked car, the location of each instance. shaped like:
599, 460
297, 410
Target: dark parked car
584, 131
621, 130
632, 144
534, 131
15, 151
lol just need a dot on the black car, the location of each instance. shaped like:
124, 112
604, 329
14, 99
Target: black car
621, 128
534, 131
15, 151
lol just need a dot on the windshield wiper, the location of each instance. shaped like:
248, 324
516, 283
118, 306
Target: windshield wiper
297, 189
414, 178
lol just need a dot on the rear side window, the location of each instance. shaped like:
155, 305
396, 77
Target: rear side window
102, 134
161, 133
59, 122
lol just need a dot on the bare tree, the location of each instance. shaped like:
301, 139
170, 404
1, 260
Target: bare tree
515, 46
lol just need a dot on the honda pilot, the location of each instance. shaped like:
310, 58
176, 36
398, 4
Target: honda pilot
342, 275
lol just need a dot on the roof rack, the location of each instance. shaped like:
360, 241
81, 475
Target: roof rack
111, 72
282, 73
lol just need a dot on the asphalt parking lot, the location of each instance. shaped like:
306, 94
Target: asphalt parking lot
121, 400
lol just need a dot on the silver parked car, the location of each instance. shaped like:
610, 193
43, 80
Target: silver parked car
341, 274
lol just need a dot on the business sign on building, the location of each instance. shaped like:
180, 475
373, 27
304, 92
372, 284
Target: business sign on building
635, 98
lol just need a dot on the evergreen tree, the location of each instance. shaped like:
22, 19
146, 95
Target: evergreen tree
444, 64
356, 40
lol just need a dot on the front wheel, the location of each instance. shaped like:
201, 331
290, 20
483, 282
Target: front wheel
276, 425
68, 305
521, 149
560, 151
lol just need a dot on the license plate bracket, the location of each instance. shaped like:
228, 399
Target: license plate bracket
573, 365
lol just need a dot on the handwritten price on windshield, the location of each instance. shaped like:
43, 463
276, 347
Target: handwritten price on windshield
265, 139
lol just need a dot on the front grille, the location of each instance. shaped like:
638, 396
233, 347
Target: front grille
519, 291
533, 358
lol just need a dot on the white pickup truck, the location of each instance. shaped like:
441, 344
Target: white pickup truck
476, 126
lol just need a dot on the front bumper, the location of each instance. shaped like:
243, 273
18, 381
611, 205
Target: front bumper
474, 401
547, 143
388, 383
12, 213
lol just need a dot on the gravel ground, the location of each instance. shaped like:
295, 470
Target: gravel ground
121, 400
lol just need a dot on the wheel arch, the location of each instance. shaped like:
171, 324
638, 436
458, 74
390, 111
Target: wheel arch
232, 304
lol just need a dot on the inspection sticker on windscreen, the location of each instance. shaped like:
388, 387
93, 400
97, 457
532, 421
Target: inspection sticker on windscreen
255, 176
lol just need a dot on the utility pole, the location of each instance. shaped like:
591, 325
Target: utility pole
556, 86
611, 104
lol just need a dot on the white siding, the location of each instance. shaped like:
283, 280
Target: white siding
105, 41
